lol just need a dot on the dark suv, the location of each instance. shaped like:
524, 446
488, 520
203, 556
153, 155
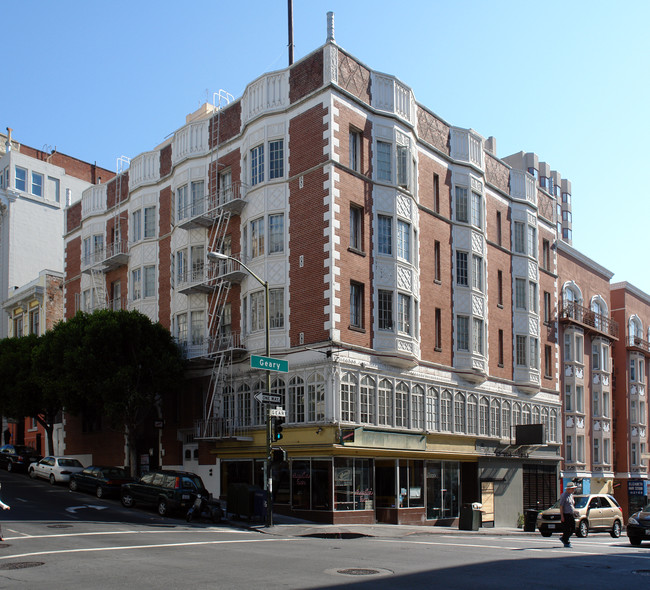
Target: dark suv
167, 490
17, 457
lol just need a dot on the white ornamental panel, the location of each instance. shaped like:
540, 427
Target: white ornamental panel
478, 305
478, 243
386, 274
404, 207
404, 279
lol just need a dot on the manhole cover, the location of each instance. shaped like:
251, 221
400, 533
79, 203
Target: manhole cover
336, 535
357, 571
641, 572
20, 565
59, 526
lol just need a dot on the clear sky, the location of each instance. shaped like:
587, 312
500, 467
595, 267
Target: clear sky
568, 80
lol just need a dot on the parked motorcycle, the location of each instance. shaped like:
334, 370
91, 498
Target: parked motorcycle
205, 507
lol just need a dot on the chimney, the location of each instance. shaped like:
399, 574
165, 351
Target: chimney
8, 142
330, 27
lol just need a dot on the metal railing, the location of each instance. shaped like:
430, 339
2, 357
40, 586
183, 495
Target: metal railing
583, 315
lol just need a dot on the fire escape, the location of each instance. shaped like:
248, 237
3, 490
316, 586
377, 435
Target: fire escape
213, 211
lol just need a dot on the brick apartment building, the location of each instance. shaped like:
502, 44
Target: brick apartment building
423, 291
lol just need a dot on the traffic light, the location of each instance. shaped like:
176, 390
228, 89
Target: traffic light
278, 455
277, 428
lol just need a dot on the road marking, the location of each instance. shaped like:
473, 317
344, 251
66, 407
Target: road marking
73, 509
131, 547
99, 533
563, 550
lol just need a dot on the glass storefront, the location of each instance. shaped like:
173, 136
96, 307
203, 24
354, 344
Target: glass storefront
343, 483
443, 483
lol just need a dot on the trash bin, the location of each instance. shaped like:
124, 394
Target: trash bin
241, 499
530, 520
470, 518
259, 504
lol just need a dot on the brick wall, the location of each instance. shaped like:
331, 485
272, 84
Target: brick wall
229, 124
165, 160
73, 217
72, 166
53, 300
306, 233
164, 258
306, 76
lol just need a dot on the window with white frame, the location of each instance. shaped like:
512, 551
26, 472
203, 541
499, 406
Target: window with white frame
136, 284
367, 400
568, 448
462, 333
403, 313
462, 269
401, 405
596, 403
642, 412
520, 350
403, 166
257, 237
384, 156
385, 309
462, 207
605, 408
276, 233
182, 203
634, 457
580, 399
459, 413
316, 398
477, 272
495, 415
483, 416
257, 164
385, 235
181, 266
348, 397
37, 184
433, 413
472, 415
258, 320
606, 450
149, 281
477, 333
532, 297
197, 327
276, 159
520, 294
136, 225
580, 448
520, 244
534, 353
596, 451
149, 222
633, 412
198, 200
477, 210
417, 407
403, 240
385, 402
445, 411
20, 179
532, 241
181, 327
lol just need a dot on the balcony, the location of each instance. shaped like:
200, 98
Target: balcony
573, 313
221, 428
230, 269
201, 278
116, 254
634, 343
93, 261
230, 342
204, 211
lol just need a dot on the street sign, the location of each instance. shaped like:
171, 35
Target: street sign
268, 398
268, 363
277, 413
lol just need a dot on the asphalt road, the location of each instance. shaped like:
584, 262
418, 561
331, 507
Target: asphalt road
47, 543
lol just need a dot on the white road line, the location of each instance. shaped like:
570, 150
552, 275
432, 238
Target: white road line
131, 547
99, 533
563, 550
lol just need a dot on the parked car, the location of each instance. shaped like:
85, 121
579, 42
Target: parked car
55, 469
17, 457
638, 526
167, 490
99, 480
596, 512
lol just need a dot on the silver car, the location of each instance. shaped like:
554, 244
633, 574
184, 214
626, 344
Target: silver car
55, 469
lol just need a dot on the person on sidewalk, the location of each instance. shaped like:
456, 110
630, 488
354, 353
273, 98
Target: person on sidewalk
568, 513
4, 507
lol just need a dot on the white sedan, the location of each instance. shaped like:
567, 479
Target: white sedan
55, 469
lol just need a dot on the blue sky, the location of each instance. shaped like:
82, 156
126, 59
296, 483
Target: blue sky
567, 80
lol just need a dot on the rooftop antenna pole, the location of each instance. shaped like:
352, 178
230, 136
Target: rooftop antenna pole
290, 2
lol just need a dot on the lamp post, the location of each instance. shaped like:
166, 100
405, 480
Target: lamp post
268, 482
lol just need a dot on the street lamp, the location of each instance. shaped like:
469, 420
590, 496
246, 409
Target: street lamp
268, 482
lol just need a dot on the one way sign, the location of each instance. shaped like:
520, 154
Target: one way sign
268, 398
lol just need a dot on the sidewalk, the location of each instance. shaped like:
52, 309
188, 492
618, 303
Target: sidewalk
287, 526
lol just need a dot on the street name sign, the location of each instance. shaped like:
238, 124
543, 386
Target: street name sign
267, 398
277, 413
268, 363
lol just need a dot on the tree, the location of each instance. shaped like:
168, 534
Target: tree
125, 365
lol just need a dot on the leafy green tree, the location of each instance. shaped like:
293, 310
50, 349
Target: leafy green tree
125, 365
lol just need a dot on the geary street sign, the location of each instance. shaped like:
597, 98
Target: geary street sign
267, 398
268, 363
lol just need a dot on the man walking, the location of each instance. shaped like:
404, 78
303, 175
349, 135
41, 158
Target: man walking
567, 513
